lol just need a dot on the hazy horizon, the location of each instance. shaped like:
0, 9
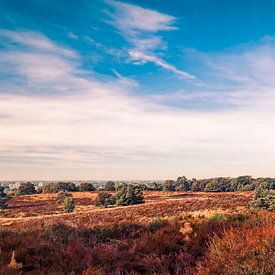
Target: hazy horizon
134, 89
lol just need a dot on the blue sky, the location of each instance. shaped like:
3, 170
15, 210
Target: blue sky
135, 90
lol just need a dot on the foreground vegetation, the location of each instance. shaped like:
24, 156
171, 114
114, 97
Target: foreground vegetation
219, 244
130, 229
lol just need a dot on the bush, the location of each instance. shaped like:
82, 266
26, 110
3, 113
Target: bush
86, 186
105, 199
156, 224
264, 198
61, 196
26, 189
3, 198
59, 186
68, 205
110, 186
129, 194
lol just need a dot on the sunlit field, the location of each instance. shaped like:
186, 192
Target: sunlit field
171, 233
43, 207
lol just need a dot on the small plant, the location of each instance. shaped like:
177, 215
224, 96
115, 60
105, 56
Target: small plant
68, 205
61, 196
156, 224
105, 199
218, 217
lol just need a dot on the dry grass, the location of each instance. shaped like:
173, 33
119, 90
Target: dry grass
39, 208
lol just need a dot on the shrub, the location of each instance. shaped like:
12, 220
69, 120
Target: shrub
59, 186
110, 186
3, 198
156, 224
26, 189
217, 218
245, 249
61, 196
86, 186
68, 205
105, 199
264, 198
129, 194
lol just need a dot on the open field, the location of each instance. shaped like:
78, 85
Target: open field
43, 207
171, 233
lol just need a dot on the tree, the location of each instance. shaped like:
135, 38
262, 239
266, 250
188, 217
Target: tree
110, 186
264, 198
169, 185
218, 185
86, 186
155, 186
182, 184
68, 205
61, 196
129, 194
105, 199
26, 188
3, 197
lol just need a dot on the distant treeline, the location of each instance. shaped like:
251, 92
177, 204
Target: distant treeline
220, 184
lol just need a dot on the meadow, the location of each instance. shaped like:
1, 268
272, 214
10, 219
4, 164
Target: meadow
171, 233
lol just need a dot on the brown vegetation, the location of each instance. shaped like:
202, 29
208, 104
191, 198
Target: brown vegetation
172, 233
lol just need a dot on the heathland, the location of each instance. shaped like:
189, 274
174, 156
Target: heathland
155, 232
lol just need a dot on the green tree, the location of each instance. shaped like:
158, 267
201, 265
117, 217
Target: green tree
129, 194
26, 188
68, 205
105, 199
182, 184
86, 186
169, 185
110, 186
218, 185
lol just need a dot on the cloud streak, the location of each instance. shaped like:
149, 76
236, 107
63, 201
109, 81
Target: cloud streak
140, 26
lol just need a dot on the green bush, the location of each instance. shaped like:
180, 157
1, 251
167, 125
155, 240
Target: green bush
105, 199
61, 196
26, 188
3, 198
129, 194
264, 198
86, 186
68, 205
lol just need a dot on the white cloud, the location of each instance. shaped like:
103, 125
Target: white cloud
87, 128
144, 58
35, 40
139, 27
131, 19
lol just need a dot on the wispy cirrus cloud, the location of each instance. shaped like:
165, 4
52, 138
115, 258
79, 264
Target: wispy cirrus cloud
141, 28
